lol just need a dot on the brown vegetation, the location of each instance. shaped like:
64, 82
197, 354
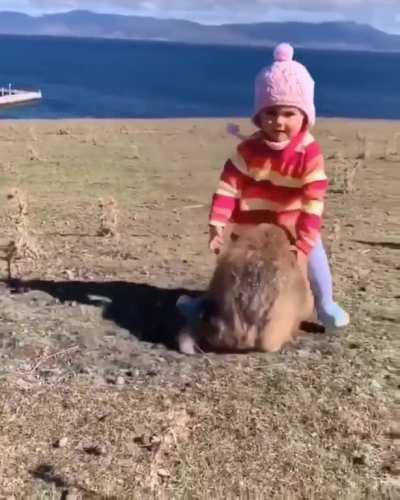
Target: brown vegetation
94, 401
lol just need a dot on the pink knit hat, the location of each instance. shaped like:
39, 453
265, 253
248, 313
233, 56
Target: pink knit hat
285, 83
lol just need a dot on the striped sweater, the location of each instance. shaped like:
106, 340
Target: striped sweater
285, 187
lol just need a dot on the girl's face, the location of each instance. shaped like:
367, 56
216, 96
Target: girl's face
281, 123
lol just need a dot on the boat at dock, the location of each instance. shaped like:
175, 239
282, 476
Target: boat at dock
13, 97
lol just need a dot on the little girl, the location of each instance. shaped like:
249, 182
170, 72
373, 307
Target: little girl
277, 175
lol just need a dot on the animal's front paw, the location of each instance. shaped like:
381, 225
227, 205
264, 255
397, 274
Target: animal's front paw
186, 342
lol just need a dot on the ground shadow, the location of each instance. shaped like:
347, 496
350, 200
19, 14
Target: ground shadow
47, 474
148, 312
384, 244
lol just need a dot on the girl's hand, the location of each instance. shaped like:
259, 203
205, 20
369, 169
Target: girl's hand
215, 239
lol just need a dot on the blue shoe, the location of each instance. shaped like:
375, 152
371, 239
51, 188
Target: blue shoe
333, 317
190, 307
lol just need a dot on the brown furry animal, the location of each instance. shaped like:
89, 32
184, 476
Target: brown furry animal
257, 297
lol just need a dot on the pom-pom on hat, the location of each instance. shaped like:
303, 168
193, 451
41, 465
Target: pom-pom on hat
283, 52
285, 83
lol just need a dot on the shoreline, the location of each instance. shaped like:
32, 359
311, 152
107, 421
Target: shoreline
356, 49
242, 120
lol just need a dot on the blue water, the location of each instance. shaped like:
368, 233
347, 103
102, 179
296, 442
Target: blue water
121, 79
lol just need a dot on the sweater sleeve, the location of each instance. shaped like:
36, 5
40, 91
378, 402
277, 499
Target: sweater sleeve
226, 199
314, 187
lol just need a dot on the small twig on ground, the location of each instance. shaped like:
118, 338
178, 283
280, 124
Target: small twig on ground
190, 207
54, 355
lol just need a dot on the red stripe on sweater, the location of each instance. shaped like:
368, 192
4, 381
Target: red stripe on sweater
312, 151
268, 191
233, 176
225, 202
308, 221
291, 162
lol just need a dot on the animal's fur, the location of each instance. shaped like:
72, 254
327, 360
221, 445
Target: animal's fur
257, 297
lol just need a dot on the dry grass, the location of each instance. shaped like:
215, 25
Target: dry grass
202, 441
343, 174
314, 422
351, 172
335, 239
364, 147
392, 146
108, 218
384, 148
396, 142
22, 246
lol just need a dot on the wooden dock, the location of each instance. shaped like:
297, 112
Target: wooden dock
13, 97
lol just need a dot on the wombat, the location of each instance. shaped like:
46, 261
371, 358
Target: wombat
257, 297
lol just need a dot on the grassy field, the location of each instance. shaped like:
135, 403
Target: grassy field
110, 223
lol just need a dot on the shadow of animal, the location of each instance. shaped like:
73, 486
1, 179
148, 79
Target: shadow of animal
148, 312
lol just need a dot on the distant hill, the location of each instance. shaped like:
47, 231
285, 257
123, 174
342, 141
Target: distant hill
328, 35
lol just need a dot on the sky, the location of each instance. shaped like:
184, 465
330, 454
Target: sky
382, 14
